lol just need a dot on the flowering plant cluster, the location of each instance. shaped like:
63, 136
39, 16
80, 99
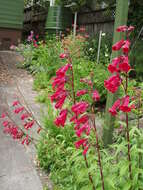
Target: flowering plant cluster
120, 68
81, 113
27, 122
33, 39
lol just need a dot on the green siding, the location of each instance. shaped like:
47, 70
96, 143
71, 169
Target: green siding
11, 14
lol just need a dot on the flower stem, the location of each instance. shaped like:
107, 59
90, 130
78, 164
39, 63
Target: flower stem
98, 152
127, 132
74, 101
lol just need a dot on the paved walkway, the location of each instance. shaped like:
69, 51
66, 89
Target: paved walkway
17, 169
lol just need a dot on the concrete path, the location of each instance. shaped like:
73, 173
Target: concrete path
17, 169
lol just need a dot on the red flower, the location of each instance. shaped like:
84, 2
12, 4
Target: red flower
122, 28
131, 28
83, 119
83, 128
81, 142
58, 94
117, 46
58, 81
81, 92
26, 139
29, 125
95, 95
126, 46
14, 132
15, 103
112, 83
113, 66
24, 116
62, 71
60, 121
125, 105
18, 110
63, 56
20, 135
5, 123
85, 150
60, 102
115, 107
3, 115
124, 66
79, 108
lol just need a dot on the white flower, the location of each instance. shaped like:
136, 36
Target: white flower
106, 55
103, 34
90, 49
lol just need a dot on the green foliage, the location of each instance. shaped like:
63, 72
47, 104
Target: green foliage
91, 48
84, 68
57, 155
137, 59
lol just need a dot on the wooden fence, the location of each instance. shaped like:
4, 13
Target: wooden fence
97, 20
93, 21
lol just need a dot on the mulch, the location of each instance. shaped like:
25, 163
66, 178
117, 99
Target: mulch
5, 76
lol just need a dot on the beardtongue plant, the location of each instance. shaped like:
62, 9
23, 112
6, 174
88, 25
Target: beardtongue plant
82, 113
16, 131
119, 68
79, 113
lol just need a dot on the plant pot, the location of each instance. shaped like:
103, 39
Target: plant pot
58, 19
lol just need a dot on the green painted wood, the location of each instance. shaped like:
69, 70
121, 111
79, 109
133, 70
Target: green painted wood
59, 18
120, 19
11, 14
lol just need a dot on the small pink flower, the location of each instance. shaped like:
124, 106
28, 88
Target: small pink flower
18, 110
63, 55
62, 71
81, 92
131, 28
125, 105
81, 130
26, 140
58, 81
112, 83
3, 115
80, 107
60, 121
83, 119
122, 28
124, 67
20, 135
5, 123
113, 110
80, 142
118, 45
113, 66
95, 95
15, 103
85, 150
60, 102
126, 46
29, 125
24, 116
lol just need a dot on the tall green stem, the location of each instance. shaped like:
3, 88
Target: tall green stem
128, 136
74, 101
98, 153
